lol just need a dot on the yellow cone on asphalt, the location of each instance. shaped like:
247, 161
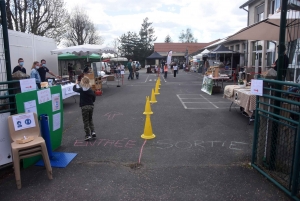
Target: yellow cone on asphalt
148, 134
157, 83
147, 106
156, 89
153, 98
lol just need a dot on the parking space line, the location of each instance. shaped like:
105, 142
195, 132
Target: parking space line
147, 78
181, 101
206, 102
191, 98
207, 108
209, 102
199, 101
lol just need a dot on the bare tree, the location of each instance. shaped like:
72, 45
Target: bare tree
115, 44
187, 37
81, 30
39, 17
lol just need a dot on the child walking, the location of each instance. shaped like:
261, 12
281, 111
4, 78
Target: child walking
165, 71
175, 69
86, 102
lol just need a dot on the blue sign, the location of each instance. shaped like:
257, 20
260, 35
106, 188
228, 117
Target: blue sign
27, 121
19, 124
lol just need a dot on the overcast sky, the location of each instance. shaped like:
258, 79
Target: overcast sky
208, 19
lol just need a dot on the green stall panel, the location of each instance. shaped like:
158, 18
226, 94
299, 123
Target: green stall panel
52, 106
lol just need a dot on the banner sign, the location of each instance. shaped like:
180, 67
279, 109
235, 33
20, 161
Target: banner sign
207, 85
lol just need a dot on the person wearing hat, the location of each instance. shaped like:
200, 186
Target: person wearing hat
285, 63
86, 70
71, 71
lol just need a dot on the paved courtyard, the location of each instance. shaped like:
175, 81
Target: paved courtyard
201, 151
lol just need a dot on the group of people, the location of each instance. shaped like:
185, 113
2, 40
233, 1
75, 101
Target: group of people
133, 70
38, 71
174, 68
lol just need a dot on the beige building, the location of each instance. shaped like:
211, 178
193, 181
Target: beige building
263, 51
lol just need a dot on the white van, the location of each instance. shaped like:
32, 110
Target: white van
101, 66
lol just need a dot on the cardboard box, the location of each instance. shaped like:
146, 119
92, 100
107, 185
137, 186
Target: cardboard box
216, 71
91, 77
110, 78
216, 89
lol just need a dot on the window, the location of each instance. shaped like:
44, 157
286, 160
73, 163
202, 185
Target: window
277, 4
260, 12
274, 6
237, 48
270, 53
257, 52
231, 48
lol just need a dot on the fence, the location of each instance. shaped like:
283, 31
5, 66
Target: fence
276, 144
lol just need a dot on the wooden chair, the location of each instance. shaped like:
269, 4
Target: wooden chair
33, 148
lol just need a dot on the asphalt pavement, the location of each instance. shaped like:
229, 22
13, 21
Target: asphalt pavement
202, 151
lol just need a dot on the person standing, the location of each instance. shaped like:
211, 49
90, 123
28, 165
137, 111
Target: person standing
221, 67
35, 74
206, 64
86, 102
20, 67
183, 66
165, 71
43, 70
71, 71
129, 66
175, 69
285, 64
133, 69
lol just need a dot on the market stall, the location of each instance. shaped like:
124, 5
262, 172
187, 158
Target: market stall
241, 96
213, 80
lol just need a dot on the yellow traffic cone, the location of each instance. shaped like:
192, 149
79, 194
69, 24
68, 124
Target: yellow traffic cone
157, 84
158, 81
147, 107
156, 90
148, 134
153, 99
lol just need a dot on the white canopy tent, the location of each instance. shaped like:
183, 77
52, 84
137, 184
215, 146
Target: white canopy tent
204, 52
87, 49
119, 59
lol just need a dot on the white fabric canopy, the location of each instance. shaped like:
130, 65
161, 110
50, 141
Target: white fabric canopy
107, 55
86, 49
119, 59
206, 51
268, 29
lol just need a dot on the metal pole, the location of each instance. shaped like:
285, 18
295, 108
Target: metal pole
255, 136
295, 176
282, 31
6, 51
280, 64
5, 40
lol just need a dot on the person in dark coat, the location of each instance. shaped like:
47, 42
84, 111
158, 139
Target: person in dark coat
87, 99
